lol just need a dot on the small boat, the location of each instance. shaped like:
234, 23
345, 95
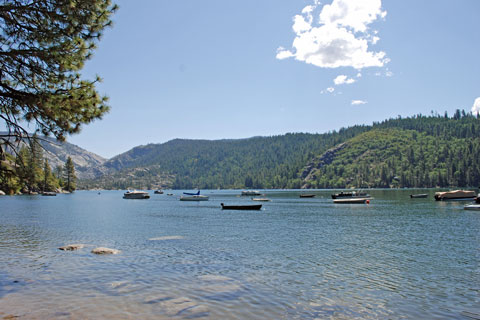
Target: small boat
261, 199
352, 200
477, 199
420, 195
457, 195
472, 207
242, 207
306, 195
136, 195
169, 194
194, 198
158, 192
192, 194
251, 193
350, 195
48, 193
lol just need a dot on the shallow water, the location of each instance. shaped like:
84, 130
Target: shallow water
396, 258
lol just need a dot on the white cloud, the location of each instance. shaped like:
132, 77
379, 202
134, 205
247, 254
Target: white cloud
330, 89
358, 102
476, 106
341, 38
343, 79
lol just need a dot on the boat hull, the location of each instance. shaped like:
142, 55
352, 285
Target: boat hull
307, 196
475, 207
415, 196
351, 201
194, 198
136, 196
242, 207
457, 195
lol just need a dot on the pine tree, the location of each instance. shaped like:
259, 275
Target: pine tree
69, 175
44, 47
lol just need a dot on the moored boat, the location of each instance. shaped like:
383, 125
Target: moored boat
351, 200
261, 199
136, 195
307, 195
350, 195
457, 195
472, 207
242, 207
194, 198
158, 192
419, 195
251, 193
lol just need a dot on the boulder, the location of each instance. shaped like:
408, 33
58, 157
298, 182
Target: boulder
72, 247
2, 193
102, 250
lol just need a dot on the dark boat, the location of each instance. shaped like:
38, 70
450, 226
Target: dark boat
307, 196
242, 207
420, 195
192, 194
158, 192
349, 195
352, 200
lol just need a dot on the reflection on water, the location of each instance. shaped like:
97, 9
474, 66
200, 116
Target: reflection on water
296, 259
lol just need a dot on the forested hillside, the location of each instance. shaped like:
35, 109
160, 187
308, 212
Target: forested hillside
419, 151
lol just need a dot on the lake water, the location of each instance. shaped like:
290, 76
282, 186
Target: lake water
396, 258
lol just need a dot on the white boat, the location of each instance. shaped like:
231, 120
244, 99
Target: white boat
251, 193
194, 198
472, 207
261, 199
455, 195
136, 195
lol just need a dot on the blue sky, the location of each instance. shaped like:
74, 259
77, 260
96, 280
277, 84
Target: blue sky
237, 69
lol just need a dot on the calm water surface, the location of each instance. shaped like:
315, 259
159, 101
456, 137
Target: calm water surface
396, 258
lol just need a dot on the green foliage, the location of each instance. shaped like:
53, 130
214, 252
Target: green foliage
44, 47
69, 177
421, 151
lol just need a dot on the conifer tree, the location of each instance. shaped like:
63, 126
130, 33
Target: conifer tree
44, 46
69, 175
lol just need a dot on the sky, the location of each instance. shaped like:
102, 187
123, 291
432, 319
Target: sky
235, 69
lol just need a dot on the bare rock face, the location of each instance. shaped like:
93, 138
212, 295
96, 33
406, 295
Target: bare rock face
72, 247
102, 250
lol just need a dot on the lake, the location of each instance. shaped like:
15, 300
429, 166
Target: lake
395, 258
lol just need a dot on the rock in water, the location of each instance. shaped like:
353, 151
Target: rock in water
71, 247
2, 193
102, 250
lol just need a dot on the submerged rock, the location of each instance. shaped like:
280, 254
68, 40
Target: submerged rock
102, 250
71, 247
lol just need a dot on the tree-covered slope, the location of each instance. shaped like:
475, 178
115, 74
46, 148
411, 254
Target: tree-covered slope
413, 152
420, 151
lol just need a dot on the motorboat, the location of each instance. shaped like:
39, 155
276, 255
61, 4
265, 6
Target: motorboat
350, 195
251, 193
306, 195
352, 200
194, 198
136, 195
261, 199
472, 207
457, 195
420, 195
192, 193
158, 192
242, 207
